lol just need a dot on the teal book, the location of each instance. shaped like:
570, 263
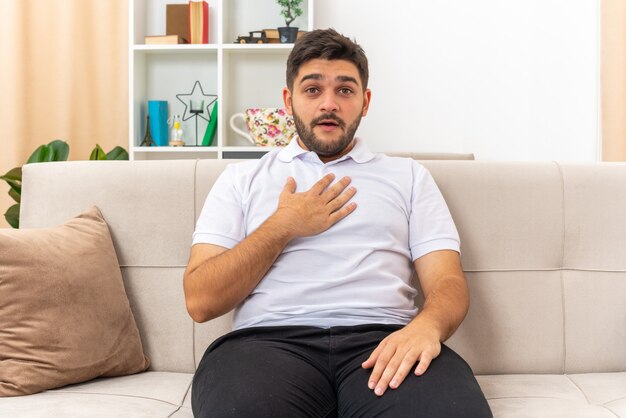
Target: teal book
211, 128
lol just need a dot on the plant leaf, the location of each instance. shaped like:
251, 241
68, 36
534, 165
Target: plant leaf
12, 215
56, 150
13, 174
15, 185
60, 150
15, 195
117, 153
98, 154
40, 155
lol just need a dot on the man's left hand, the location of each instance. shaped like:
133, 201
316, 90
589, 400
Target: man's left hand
396, 355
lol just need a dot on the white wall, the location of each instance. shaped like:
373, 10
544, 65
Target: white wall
504, 79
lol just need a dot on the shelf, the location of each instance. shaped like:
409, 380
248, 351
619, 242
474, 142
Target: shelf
242, 76
250, 149
189, 149
173, 49
256, 48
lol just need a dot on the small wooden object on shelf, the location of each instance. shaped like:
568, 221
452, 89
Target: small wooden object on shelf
272, 36
164, 40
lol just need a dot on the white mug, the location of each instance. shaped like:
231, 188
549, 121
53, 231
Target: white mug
267, 127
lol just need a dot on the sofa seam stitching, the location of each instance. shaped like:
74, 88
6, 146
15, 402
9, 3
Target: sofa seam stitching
182, 401
545, 269
175, 411
195, 215
579, 388
527, 397
562, 265
614, 400
65, 392
609, 411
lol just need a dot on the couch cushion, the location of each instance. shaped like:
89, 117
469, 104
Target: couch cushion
510, 313
149, 208
149, 394
509, 215
64, 317
147, 204
539, 396
606, 389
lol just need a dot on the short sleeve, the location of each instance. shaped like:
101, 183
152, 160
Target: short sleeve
221, 219
431, 227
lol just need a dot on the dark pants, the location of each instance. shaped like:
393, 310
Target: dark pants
316, 372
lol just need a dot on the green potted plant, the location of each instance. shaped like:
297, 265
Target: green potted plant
290, 10
56, 150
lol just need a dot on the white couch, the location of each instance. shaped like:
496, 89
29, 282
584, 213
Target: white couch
543, 248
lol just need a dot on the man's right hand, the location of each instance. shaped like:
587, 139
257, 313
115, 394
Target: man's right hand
314, 211
217, 279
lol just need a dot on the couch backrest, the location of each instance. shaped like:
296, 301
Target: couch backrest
542, 247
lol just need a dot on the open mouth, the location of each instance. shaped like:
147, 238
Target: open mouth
328, 123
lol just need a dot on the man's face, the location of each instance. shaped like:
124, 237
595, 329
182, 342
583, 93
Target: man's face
327, 103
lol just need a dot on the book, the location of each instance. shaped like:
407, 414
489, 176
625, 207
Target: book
164, 40
198, 22
211, 128
176, 20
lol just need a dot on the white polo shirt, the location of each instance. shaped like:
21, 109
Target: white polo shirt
356, 272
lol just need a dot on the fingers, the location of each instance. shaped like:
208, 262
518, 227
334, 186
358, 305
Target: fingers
392, 363
290, 186
330, 193
342, 199
391, 368
322, 205
337, 188
323, 183
371, 361
380, 377
422, 366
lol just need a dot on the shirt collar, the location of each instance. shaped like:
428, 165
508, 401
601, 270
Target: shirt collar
360, 153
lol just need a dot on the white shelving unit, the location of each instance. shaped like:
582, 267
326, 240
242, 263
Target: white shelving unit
242, 76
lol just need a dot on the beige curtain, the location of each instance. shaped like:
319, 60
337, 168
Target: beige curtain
613, 80
63, 75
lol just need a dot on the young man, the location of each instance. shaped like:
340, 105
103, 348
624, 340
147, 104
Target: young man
319, 274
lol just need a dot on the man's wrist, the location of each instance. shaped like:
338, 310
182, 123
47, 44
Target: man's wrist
425, 323
279, 229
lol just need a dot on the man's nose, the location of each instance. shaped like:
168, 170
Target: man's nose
329, 104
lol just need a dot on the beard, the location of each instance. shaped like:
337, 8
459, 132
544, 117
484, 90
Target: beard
322, 148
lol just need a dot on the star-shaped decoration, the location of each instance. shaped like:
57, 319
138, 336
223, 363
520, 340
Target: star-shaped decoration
196, 97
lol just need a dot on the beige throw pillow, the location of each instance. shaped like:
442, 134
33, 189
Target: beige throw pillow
64, 313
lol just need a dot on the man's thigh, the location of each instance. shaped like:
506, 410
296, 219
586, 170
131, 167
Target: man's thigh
447, 389
259, 374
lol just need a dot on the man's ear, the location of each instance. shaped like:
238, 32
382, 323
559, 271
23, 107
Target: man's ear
287, 100
367, 97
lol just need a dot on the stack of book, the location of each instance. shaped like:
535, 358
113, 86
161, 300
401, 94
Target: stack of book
185, 23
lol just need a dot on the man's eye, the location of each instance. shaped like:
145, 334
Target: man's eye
312, 90
345, 91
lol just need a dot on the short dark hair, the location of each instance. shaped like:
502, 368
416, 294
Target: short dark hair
326, 44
